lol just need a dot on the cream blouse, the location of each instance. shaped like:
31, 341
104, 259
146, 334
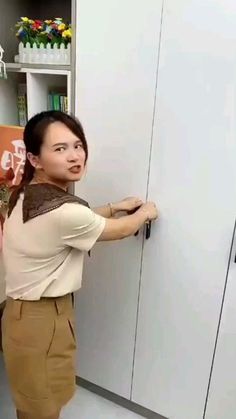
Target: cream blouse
43, 257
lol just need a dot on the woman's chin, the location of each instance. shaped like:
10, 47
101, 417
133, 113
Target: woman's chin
75, 177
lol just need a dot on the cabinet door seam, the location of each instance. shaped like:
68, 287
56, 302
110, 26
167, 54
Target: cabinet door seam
219, 322
147, 189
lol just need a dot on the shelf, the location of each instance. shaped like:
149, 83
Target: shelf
38, 68
39, 79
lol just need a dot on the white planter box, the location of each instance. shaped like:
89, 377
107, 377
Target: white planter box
42, 55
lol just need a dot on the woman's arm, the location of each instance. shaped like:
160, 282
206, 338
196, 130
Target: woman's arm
111, 209
106, 211
117, 229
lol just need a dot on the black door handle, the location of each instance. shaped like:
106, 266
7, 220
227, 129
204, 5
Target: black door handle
148, 230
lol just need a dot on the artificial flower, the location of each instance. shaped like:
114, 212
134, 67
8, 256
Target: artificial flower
67, 33
47, 31
62, 27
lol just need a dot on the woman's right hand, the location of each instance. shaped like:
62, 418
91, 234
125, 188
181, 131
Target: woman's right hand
117, 229
150, 209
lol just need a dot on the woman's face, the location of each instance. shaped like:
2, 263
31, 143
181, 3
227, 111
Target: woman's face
62, 156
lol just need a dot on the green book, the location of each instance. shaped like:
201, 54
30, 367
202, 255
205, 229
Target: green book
56, 101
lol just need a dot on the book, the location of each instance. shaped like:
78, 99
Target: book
57, 100
22, 104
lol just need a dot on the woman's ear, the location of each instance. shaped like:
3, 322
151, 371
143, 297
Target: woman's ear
34, 160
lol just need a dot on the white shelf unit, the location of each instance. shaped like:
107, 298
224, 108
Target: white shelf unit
39, 79
8, 98
19, 66
40, 82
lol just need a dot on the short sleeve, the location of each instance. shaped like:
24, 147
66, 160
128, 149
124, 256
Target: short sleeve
80, 226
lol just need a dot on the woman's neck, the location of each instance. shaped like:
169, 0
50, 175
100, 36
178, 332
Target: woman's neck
43, 179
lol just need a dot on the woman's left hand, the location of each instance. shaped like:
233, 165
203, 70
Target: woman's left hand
128, 204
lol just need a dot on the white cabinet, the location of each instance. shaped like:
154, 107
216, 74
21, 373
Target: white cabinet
193, 178
222, 391
115, 87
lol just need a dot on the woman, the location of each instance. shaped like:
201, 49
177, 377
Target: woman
45, 236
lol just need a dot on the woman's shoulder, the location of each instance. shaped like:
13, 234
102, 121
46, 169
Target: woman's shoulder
75, 212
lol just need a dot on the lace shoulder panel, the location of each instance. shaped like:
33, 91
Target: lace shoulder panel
42, 198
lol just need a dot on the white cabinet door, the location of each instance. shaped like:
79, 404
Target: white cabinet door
222, 392
193, 179
117, 50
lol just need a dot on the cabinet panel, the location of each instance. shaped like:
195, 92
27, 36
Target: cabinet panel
192, 178
222, 401
116, 70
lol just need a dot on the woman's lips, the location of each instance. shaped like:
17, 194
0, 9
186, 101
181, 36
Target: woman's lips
75, 169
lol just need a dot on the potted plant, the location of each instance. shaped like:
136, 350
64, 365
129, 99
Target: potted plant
44, 41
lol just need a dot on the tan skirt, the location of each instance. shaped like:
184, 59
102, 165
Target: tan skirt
39, 351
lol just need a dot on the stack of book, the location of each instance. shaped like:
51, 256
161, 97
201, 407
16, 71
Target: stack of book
57, 101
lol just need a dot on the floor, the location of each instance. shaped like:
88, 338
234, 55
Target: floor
85, 405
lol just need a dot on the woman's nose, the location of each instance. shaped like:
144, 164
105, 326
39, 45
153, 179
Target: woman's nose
72, 155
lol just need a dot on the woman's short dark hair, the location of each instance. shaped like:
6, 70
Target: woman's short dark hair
33, 137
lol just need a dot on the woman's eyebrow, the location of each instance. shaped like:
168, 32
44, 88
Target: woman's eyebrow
57, 144
65, 144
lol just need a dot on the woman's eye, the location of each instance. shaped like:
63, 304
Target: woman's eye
78, 146
60, 149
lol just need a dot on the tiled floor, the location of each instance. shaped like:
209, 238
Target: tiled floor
85, 404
